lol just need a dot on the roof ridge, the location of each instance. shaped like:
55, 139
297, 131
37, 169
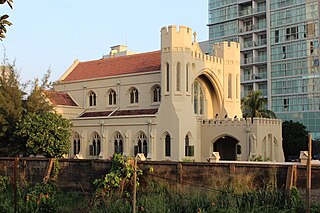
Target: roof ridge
120, 57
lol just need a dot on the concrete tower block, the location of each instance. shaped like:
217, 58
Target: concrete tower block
173, 36
227, 50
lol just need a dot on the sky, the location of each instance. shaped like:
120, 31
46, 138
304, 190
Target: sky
51, 34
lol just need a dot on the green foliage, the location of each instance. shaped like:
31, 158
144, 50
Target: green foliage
40, 198
294, 138
253, 105
44, 134
4, 19
119, 180
10, 107
36, 101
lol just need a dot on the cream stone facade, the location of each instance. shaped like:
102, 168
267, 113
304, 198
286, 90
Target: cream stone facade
172, 104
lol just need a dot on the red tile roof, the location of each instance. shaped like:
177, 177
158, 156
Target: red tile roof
144, 62
120, 113
59, 98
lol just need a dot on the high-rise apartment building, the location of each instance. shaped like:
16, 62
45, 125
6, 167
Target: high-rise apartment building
279, 52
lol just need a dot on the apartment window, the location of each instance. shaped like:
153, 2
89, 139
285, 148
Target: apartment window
311, 47
286, 103
276, 36
292, 33
92, 99
284, 54
112, 97
134, 96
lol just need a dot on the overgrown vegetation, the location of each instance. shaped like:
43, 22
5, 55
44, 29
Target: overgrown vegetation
234, 193
28, 124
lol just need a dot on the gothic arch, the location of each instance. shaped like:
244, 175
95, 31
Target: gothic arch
214, 81
228, 147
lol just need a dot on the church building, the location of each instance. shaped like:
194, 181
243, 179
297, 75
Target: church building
173, 104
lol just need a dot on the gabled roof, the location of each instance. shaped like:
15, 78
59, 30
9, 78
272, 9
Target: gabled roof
59, 98
137, 63
119, 113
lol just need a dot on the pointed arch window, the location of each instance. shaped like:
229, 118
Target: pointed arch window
167, 77
92, 98
76, 143
142, 145
178, 73
168, 145
95, 147
229, 86
198, 98
237, 87
156, 94
112, 97
134, 96
118, 143
187, 78
189, 150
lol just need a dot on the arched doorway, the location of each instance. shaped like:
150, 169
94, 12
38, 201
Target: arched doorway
227, 147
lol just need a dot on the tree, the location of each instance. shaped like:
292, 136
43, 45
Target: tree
4, 19
10, 106
45, 134
294, 139
36, 102
253, 106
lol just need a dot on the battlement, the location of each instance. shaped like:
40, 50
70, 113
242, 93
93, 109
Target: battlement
241, 122
225, 45
176, 37
173, 29
227, 50
205, 57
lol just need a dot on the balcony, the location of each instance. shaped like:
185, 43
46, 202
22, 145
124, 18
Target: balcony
247, 44
245, 12
251, 60
261, 42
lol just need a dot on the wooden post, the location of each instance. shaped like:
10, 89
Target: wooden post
309, 173
134, 201
48, 170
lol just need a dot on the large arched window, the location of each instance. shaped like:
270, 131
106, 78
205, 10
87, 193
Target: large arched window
168, 145
178, 76
118, 143
112, 97
92, 98
167, 77
95, 147
134, 96
142, 145
156, 93
229, 86
198, 98
76, 143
